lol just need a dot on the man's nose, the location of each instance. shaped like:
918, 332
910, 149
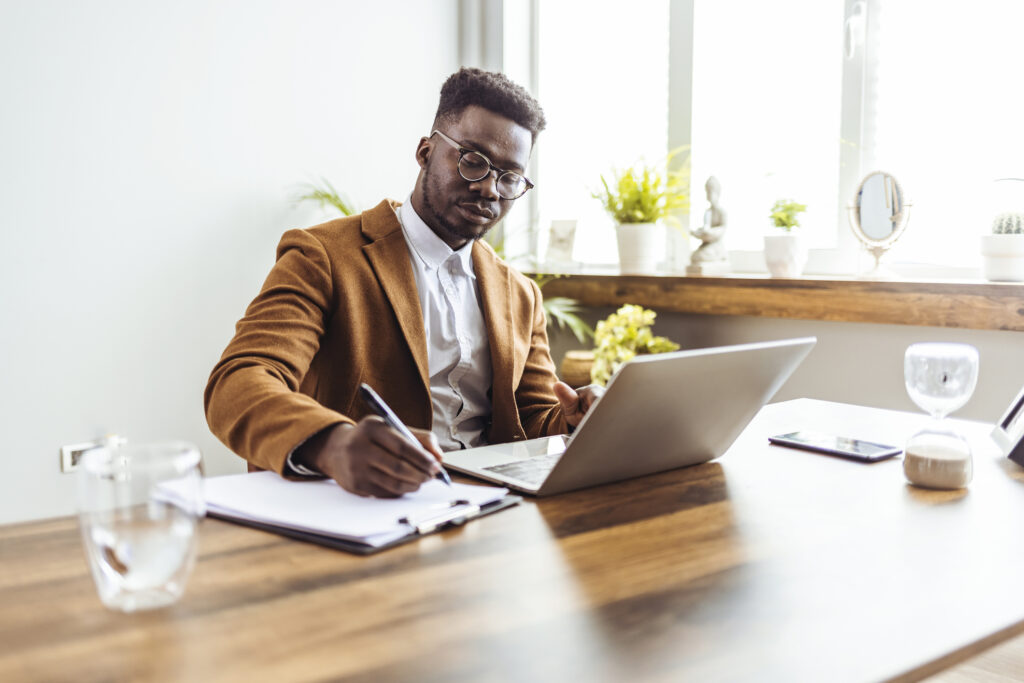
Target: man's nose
487, 186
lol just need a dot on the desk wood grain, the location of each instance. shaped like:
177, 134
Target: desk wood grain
769, 564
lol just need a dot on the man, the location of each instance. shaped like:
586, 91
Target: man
409, 300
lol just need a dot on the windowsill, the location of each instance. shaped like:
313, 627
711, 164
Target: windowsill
971, 304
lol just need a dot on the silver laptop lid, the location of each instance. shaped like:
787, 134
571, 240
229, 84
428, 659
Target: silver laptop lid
670, 410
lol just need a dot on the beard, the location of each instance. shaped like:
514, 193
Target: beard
436, 220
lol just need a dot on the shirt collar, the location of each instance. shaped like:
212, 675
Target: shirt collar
431, 249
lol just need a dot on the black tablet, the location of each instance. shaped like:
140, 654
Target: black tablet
1009, 431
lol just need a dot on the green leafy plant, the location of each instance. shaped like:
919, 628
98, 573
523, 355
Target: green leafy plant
784, 214
646, 193
622, 336
562, 311
324, 195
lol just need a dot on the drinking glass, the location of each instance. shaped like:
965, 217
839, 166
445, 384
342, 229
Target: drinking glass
940, 378
139, 505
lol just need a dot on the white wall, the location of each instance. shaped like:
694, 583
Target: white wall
148, 151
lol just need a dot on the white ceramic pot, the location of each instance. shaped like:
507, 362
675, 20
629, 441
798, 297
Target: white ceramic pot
1003, 257
641, 246
785, 254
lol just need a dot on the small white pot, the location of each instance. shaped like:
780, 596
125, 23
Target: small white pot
641, 246
1003, 257
785, 254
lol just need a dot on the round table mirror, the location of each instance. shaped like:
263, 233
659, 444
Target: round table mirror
878, 216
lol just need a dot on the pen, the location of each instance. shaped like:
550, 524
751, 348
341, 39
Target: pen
378, 406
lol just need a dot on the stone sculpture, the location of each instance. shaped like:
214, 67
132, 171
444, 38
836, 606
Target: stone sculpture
711, 257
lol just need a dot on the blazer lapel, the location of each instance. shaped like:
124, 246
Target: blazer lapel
389, 256
494, 280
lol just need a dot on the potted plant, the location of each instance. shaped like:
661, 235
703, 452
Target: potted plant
623, 335
785, 252
639, 199
1003, 251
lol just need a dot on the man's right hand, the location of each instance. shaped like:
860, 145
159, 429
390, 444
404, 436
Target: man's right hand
372, 459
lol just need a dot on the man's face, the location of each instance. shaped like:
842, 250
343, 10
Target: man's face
456, 209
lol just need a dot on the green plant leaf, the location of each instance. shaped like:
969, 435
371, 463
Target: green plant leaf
325, 195
623, 335
646, 193
784, 213
563, 311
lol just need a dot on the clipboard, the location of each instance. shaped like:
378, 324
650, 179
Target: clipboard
321, 512
445, 519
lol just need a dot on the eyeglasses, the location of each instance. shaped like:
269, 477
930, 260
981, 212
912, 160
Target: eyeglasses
474, 166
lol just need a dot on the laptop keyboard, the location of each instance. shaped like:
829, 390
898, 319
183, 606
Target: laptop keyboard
531, 470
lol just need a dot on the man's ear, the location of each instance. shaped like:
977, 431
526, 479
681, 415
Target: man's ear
423, 151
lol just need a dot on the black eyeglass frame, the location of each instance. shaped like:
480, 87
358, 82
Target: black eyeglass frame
463, 151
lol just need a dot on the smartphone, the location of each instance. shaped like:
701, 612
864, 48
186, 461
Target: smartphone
843, 446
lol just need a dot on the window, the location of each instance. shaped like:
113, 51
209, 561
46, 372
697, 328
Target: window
767, 80
603, 83
947, 118
791, 99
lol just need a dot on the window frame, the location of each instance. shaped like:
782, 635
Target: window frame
845, 256
857, 121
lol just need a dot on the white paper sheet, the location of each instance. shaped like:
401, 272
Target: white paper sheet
325, 508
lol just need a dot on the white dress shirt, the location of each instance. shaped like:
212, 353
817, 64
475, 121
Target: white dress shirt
458, 352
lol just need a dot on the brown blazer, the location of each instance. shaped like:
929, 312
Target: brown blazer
340, 307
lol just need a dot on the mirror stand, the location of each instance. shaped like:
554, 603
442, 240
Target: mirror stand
876, 249
879, 272
878, 216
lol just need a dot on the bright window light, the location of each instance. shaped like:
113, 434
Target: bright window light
941, 110
603, 83
949, 118
767, 80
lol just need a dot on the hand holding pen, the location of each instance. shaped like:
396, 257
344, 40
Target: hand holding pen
378, 406
371, 458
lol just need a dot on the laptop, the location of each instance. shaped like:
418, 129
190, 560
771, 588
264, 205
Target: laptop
659, 412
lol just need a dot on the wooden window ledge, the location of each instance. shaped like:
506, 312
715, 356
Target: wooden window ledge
967, 304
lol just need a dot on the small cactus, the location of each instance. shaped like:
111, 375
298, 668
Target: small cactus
1008, 223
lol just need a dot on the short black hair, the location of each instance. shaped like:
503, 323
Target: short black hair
493, 91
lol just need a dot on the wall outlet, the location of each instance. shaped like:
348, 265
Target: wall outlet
70, 455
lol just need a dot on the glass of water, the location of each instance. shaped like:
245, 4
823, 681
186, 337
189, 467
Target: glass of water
139, 505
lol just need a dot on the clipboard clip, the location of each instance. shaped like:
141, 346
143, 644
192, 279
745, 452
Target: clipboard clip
454, 513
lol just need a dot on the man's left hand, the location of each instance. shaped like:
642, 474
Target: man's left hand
575, 403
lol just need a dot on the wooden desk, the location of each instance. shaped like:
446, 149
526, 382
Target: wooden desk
771, 564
